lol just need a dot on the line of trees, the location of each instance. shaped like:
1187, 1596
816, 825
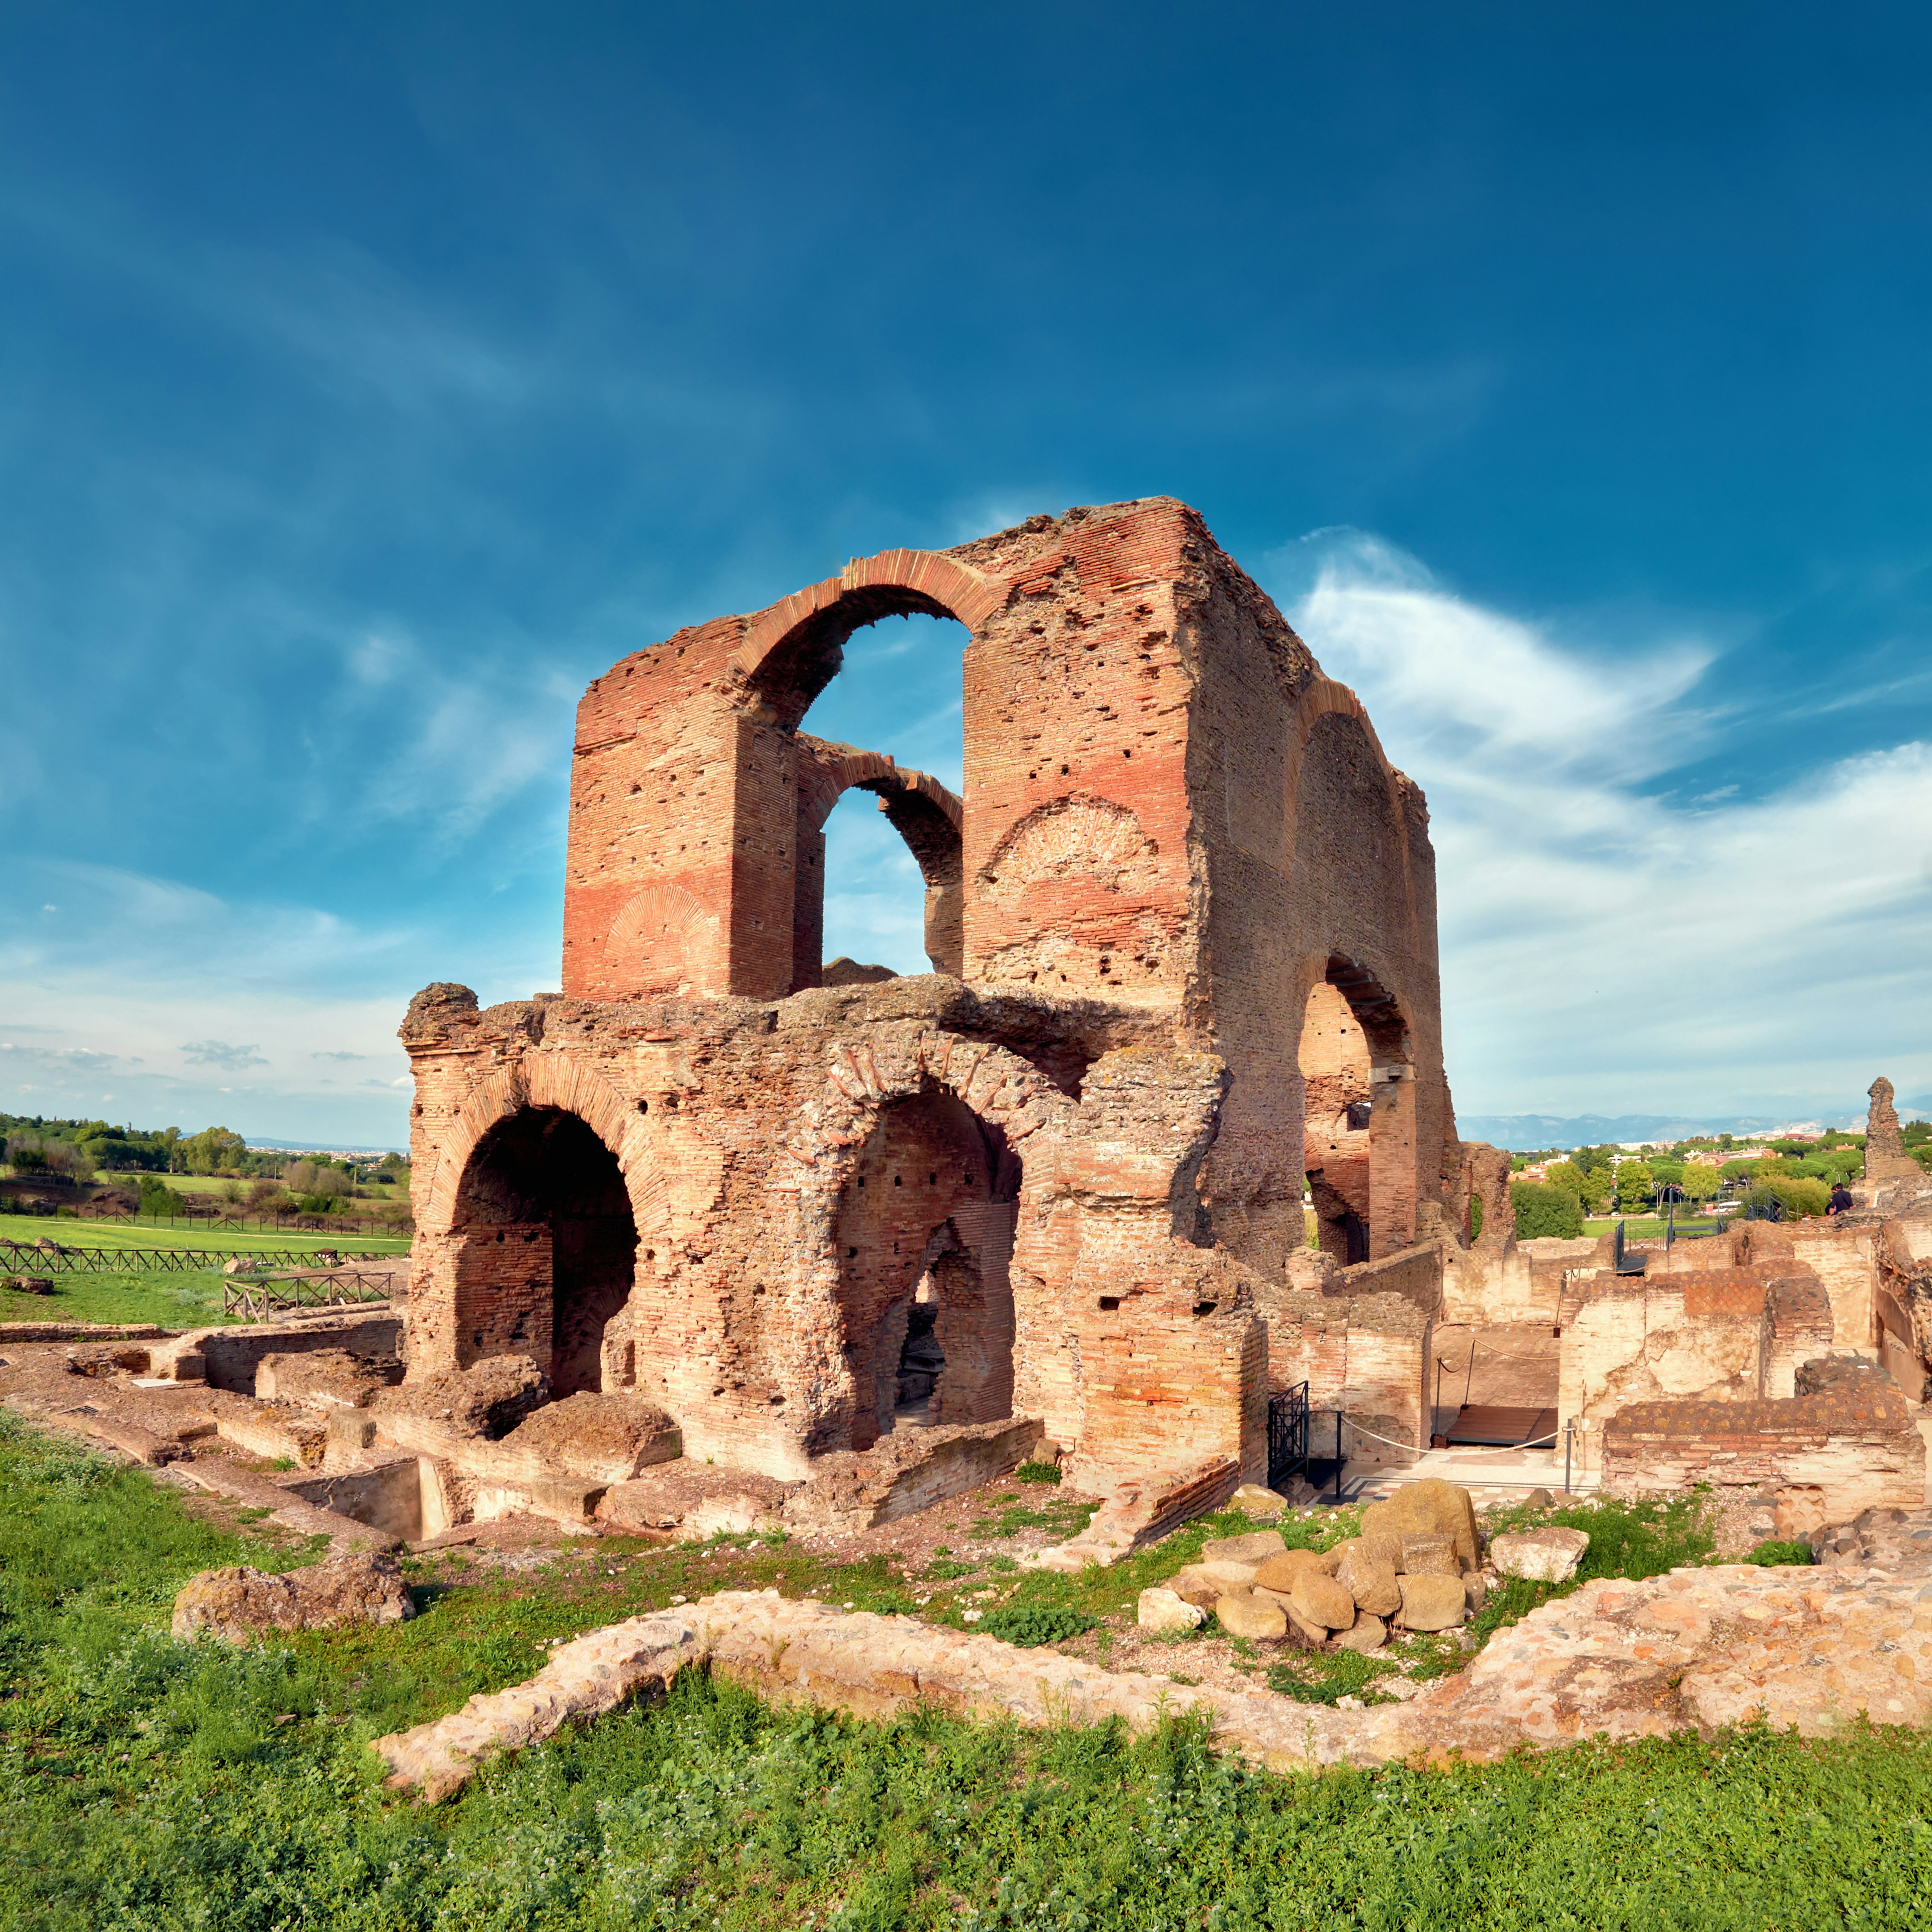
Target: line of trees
260, 1181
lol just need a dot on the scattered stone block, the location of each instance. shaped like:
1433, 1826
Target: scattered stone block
1323, 1600
1252, 1499
1194, 1586
1429, 1556
1163, 1609
1427, 1504
1279, 1572
1367, 1633
236, 1604
1546, 1555
1371, 1582
1255, 1547
1231, 1575
1431, 1602
1244, 1613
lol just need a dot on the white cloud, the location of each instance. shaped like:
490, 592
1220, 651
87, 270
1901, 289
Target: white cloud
1605, 947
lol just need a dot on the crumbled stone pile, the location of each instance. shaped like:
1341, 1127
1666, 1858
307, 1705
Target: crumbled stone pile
362, 1587
1414, 1567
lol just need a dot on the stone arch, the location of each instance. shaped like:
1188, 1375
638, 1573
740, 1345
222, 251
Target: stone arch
923, 812
790, 650
1023, 1116
562, 1082
1323, 701
1356, 1059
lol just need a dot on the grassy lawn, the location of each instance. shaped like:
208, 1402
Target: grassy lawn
144, 1783
1651, 1227
173, 1300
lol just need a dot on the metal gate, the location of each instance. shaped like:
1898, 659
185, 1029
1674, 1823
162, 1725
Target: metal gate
1288, 1434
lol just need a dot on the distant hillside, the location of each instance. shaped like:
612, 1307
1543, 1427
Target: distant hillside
1526, 1131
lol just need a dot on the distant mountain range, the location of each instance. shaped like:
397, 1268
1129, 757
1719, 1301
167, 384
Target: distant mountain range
1528, 1132
318, 1147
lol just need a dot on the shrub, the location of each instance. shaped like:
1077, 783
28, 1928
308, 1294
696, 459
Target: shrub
1542, 1210
158, 1198
1029, 1625
1037, 1472
1792, 1199
1773, 1556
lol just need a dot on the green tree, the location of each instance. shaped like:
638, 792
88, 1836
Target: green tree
1542, 1210
1635, 1183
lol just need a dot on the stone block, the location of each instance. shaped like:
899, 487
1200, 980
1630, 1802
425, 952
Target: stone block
1549, 1554
1431, 1602
1252, 1499
1322, 1600
1368, 1633
1427, 1504
1163, 1609
236, 1604
1244, 1613
1256, 1546
1429, 1556
1279, 1572
1371, 1582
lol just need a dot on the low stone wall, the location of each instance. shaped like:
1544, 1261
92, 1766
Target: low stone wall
909, 1470
233, 1354
1414, 1273
1697, 1649
1830, 1454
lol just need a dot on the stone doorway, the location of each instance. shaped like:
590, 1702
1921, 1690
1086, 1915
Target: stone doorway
548, 1246
925, 1228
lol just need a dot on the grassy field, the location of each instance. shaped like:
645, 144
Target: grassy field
1651, 1227
148, 1784
174, 1300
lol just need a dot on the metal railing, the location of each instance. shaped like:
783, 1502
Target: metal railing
1288, 1433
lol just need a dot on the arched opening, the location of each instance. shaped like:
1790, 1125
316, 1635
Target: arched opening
879, 876
1358, 1128
548, 1246
926, 1234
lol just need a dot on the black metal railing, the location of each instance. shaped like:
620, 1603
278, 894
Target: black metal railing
1288, 1434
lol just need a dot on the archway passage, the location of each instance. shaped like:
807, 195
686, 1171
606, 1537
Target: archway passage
925, 1233
1358, 1125
549, 1246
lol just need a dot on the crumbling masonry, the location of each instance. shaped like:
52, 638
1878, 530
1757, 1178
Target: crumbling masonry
1182, 926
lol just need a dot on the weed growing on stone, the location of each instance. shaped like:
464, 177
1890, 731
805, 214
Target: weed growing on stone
1775, 1555
1029, 1625
1037, 1472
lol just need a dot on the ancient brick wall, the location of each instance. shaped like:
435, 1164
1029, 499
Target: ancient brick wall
1850, 1449
1366, 1355
1082, 1141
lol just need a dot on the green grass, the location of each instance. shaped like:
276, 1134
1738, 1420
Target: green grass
1651, 1227
165, 1297
77, 1234
152, 1785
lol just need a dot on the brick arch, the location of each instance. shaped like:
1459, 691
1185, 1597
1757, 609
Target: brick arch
863, 1079
789, 651
1324, 697
923, 812
551, 1080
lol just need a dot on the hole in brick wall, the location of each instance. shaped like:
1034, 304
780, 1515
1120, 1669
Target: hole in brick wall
1109, 1302
643, 1106
1205, 1307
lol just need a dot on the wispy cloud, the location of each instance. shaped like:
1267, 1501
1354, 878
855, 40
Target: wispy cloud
219, 1053
1604, 947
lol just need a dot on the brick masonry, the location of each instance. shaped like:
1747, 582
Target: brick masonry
1182, 888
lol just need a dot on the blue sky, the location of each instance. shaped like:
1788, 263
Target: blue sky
372, 377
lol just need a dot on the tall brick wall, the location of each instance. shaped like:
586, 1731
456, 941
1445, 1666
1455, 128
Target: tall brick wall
1366, 1355
1175, 834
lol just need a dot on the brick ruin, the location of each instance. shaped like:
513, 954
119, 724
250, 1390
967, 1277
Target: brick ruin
1182, 926
836, 1226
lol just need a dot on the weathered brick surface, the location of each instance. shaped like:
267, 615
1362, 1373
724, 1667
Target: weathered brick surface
1182, 885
